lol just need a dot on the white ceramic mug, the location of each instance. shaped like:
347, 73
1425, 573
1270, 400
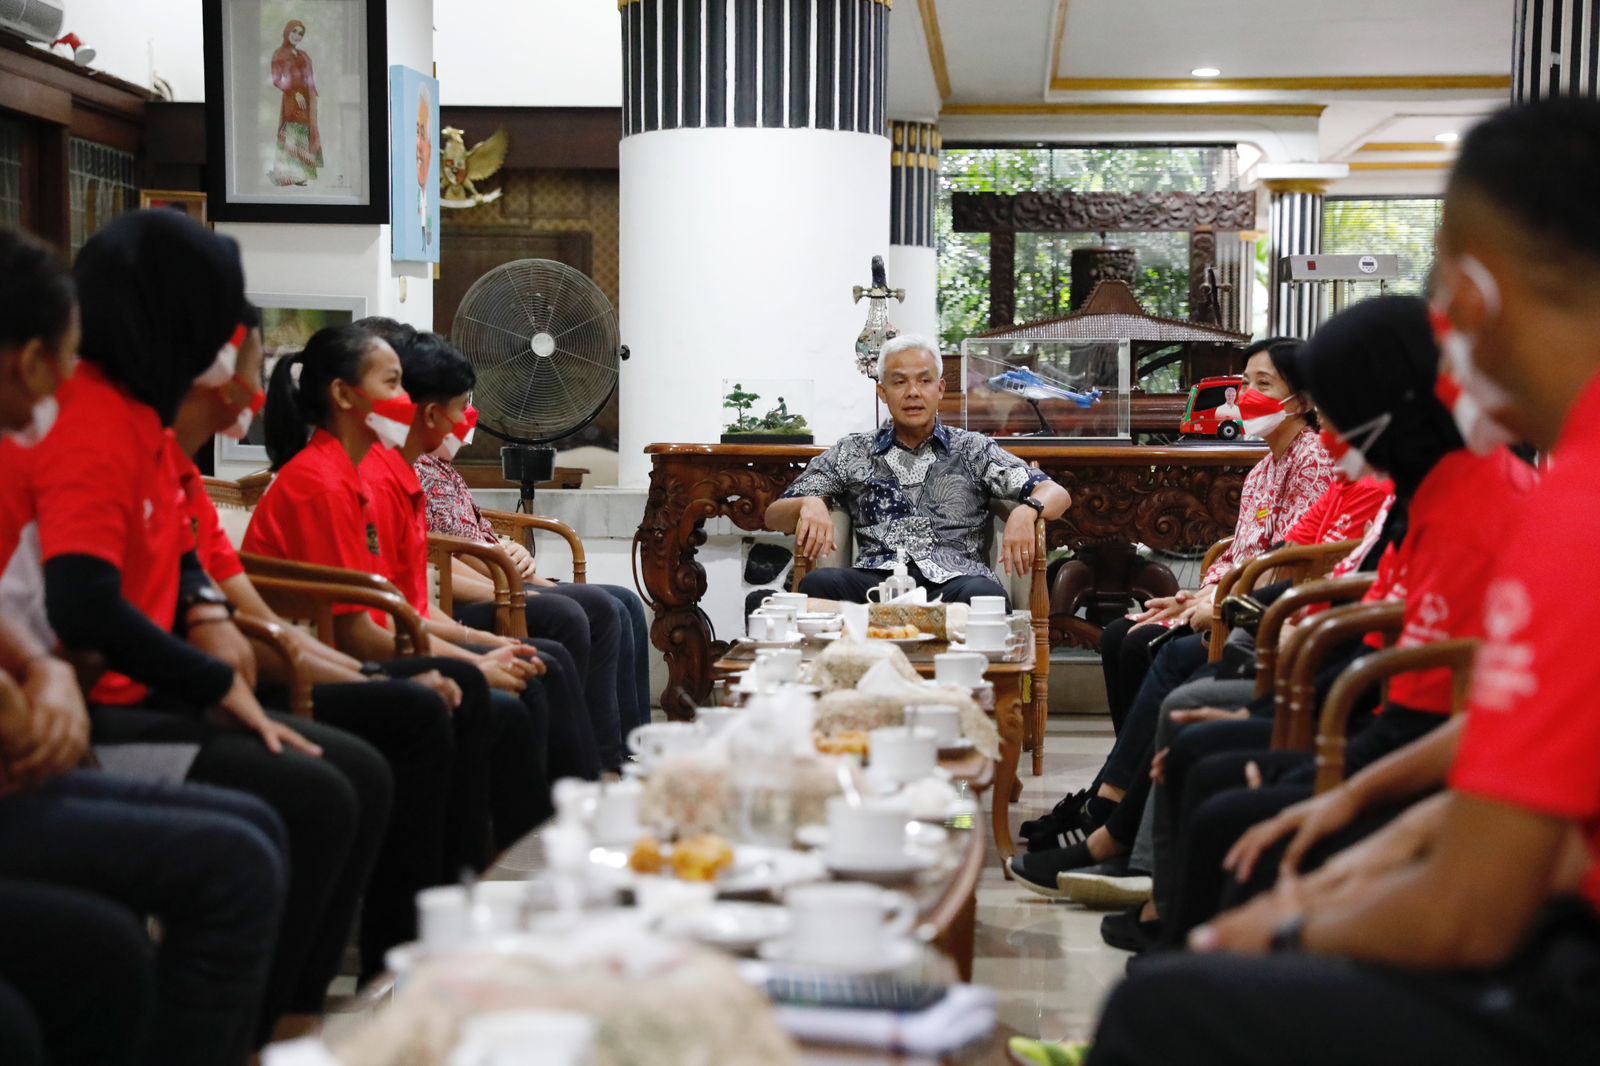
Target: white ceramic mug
901, 755
845, 921
616, 813
444, 916
499, 907
526, 1038
964, 668
987, 607
653, 742
785, 612
765, 627
779, 667
798, 600
943, 721
714, 719
986, 635
860, 833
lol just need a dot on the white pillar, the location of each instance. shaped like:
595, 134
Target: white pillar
752, 200
1555, 51
913, 262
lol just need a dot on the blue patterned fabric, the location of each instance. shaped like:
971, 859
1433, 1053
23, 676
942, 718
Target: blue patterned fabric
933, 502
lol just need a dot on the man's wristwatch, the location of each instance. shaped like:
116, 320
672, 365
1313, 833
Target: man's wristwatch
202, 596
1037, 505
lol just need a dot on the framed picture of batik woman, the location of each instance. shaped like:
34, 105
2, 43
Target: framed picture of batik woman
297, 110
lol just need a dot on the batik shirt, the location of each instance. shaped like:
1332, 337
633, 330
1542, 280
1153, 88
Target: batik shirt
932, 502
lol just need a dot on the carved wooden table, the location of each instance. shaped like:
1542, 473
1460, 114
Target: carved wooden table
1174, 498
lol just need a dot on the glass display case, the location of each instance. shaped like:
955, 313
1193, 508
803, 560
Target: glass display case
766, 410
1047, 390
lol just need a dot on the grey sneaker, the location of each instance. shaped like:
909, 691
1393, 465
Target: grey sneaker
1105, 886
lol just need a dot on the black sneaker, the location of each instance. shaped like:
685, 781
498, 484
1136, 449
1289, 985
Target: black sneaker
1037, 872
1062, 815
1106, 885
1126, 932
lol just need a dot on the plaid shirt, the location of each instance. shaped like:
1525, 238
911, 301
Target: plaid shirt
932, 502
451, 508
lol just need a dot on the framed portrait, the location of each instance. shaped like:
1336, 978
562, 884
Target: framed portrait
414, 165
287, 321
192, 204
296, 111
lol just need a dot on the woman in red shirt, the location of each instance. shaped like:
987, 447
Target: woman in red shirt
160, 296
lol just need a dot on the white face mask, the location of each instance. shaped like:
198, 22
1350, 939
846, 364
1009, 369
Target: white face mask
222, 368
241, 425
453, 443
1470, 394
44, 419
448, 448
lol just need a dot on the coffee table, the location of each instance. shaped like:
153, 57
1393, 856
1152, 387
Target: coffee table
1006, 677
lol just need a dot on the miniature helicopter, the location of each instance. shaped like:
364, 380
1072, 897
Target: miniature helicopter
1033, 388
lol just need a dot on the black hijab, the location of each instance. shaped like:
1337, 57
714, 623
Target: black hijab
159, 294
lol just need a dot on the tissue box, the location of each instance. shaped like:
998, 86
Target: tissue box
930, 618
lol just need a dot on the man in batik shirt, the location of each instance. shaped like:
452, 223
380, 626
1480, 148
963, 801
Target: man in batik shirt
916, 486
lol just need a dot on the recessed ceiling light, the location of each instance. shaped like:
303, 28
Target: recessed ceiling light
1205, 72
1447, 138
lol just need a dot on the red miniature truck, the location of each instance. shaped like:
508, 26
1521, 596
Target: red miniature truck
1213, 409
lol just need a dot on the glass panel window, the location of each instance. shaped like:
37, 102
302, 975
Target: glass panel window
1368, 226
103, 185
10, 174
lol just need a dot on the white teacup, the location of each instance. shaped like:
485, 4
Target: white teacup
986, 635
499, 906
964, 668
987, 607
787, 612
872, 830
526, 1038
444, 916
901, 755
845, 922
814, 625
779, 667
714, 719
798, 600
653, 742
943, 721
616, 813
764, 626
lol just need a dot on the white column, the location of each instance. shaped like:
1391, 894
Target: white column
752, 199
913, 262
1556, 50
1295, 229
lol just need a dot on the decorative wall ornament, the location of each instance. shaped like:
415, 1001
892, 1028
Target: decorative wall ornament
461, 166
878, 330
1064, 211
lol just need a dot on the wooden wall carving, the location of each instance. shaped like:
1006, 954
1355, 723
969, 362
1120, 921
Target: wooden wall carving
1063, 211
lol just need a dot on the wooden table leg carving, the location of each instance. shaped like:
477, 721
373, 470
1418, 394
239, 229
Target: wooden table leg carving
1008, 712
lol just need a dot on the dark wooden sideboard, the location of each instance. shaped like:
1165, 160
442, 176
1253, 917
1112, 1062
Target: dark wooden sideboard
1174, 498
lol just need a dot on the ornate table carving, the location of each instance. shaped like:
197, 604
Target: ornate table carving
1179, 498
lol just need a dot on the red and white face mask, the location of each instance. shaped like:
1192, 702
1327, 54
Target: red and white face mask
1477, 427
391, 419
241, 425
460, 435
226, 363
1260, 413
1349, 450
1468, 393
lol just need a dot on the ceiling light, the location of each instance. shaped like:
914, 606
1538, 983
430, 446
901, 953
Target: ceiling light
1447, 138
1205, 72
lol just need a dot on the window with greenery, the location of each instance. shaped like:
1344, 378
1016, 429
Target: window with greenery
1043, 260
103, 184
1402, 226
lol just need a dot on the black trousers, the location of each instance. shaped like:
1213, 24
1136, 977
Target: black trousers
210, 863
335, 809
1230, 1010
1125, 657
850, 585
81, 969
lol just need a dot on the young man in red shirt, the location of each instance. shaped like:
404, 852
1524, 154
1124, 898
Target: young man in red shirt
1468, 929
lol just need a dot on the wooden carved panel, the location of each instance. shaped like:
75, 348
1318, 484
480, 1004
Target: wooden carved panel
1064, 211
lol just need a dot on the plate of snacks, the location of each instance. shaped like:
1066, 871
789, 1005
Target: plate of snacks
735, 869
904, 635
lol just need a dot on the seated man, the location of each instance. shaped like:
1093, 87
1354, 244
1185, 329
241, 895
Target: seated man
918, 486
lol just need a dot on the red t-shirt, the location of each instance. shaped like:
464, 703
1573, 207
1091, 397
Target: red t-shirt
104, 485
1343, 512
1533, 734
211, 543
316, 511
401, 509
1459, 518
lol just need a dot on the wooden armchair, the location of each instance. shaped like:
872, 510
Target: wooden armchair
307, 592
1332, 733
1300, 562
274, 637
510, 601
1316, 640
1272, 661
520, 527
1035, 593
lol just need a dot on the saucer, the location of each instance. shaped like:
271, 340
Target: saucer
887, 868
918, 835
733, 927
764, 645
825, 638
995, 654
958, 746
904, 642
891, 956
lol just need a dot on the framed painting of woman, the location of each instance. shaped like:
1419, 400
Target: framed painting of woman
296, 110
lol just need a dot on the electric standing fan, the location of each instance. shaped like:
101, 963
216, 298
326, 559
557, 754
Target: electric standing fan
542, 339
